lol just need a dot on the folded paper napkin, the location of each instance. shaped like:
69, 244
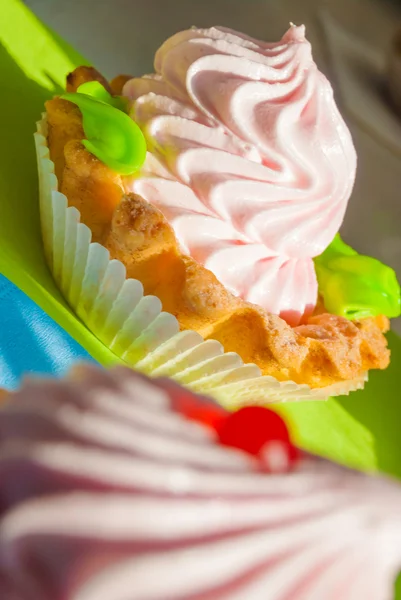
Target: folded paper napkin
30, 341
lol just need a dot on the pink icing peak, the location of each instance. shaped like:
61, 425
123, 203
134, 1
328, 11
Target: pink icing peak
296, 33
249, 160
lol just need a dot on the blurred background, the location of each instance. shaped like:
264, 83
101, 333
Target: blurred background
351, 42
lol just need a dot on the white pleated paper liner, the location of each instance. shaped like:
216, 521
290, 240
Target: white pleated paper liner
134, 326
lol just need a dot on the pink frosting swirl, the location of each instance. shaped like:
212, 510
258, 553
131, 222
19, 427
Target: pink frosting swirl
107, 493
249, 160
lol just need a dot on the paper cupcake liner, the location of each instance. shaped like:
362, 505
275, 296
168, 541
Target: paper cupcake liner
134, 326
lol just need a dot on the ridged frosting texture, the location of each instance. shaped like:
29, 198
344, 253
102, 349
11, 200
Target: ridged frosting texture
108, 494
249, 160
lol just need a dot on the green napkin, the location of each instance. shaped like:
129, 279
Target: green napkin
34, 63
360, 430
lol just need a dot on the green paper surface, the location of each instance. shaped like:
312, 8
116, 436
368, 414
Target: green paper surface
361, 430
34, 63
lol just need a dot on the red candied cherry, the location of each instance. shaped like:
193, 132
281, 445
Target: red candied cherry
262, 433
254, 429
195, 408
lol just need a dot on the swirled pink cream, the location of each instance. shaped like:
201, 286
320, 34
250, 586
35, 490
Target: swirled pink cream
249, 160
108, 493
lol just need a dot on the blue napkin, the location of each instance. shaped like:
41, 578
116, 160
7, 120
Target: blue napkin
30, 341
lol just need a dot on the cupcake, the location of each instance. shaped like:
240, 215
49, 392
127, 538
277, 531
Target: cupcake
117, 486
220, 183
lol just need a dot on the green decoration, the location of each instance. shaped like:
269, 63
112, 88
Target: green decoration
97, 91
111, 135
356, 286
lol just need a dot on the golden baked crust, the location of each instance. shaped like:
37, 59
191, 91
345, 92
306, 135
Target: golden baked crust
83, 74
64, 123
89, 185
325, 350
118, 83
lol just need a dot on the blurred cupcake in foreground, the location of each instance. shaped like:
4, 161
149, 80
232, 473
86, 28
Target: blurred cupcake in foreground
222, 192
116, 486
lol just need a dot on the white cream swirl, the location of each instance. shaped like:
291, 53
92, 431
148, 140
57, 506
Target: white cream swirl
249, 160
108, 494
